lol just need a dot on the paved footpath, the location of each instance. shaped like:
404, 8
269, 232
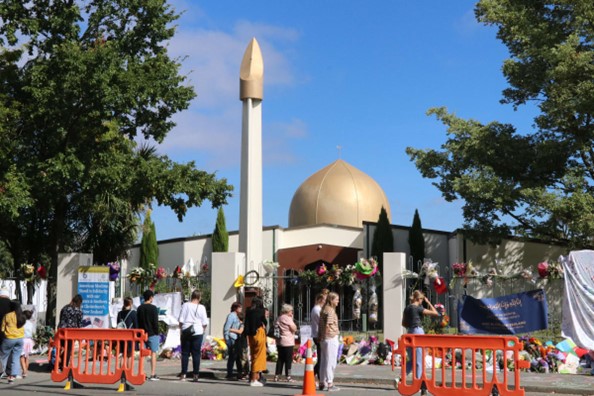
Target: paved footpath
213, 372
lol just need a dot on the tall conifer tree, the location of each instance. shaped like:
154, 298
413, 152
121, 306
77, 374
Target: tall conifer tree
416, 242
383, 240
149, 250
220, 236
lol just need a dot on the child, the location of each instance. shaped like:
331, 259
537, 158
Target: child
27, 342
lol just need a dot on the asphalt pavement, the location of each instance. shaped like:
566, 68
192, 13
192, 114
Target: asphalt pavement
351, 379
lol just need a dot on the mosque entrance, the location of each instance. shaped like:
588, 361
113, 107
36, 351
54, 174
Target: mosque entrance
353, 311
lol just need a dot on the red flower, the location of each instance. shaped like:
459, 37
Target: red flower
42, 272
543, 269
439, 285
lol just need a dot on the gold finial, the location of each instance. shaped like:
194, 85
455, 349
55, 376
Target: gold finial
339, 148
251, 74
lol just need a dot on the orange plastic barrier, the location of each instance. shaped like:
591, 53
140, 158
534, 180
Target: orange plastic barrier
99, 356
501, 377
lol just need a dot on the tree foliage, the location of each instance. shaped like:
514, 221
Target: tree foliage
149, 249
416, 242
537, 183
383, 240
81, 84
220, 236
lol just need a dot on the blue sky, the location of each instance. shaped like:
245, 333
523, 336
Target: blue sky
356, 74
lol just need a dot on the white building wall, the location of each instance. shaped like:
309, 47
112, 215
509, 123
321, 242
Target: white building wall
330, 235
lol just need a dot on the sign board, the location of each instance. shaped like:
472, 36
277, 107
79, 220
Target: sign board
93, 286
512, 314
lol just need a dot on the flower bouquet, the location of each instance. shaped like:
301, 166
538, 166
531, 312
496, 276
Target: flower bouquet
41, 272
321, 270
366, 268
459, 269
136, 275
28, 272
114, 270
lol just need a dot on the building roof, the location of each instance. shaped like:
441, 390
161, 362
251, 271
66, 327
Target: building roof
338, 194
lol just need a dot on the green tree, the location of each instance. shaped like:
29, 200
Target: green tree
220, 237
537, 183
149, 249
81, 83
416, 242
383, 240
6, 261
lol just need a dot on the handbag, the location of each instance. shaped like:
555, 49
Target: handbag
188, 332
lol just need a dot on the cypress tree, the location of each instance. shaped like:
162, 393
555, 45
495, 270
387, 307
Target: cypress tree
383, 240
416, 242
149, 250
220, 236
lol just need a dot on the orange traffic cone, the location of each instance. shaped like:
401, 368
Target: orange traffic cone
309, 380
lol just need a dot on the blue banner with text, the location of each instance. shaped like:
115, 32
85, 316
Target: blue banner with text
511, 314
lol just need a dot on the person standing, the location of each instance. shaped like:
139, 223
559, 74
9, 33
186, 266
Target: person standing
255, 328
28, 342
148, 320
71, 316
315, 325
127, 317
232, 331
4, 309
328, 334
192, 322
13, 326
412, 319
286, 343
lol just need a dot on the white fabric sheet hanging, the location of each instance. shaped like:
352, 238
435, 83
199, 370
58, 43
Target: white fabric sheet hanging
578, 301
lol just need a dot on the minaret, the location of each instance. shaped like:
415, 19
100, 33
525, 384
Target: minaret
251, 88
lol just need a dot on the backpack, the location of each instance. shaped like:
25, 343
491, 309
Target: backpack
406, 317
122, 323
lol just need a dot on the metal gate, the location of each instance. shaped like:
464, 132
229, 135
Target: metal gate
288, 288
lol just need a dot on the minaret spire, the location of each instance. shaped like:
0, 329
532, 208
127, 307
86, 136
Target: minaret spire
251, 93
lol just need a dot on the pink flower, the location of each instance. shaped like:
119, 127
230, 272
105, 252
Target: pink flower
321, 270
543, 269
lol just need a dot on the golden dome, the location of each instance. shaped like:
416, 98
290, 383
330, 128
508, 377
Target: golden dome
338, 194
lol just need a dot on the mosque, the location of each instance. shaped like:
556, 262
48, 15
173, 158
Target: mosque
332, 218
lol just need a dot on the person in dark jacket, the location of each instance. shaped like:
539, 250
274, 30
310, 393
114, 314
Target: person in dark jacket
148, 320
255, 328
71, 317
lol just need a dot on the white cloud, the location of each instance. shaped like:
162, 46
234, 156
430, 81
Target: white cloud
211, 59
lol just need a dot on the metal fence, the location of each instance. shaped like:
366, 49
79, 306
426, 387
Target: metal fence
33, 295
289, 289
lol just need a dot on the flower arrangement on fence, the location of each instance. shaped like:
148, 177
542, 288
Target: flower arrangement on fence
41, 272
552, 270
30, 274
114, 270
545, 270
147, 276
137, 275
366, 268
459, 269
334, 274
177, 273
